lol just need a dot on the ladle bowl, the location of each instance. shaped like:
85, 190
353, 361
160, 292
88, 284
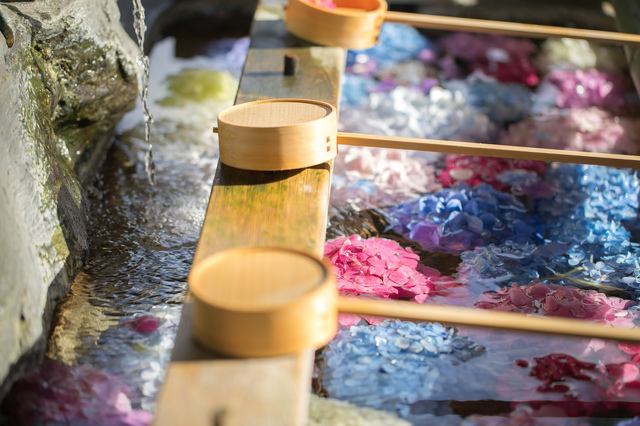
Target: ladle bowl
277, 134
353, 24
262, 301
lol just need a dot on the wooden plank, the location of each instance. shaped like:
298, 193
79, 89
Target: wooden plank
248, 208
286, 208
200, 389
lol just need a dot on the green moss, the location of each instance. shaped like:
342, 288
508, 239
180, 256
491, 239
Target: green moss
35, 105
60, 244
197, 85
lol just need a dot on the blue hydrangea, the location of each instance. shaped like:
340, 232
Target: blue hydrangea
458, 219
356, 89
502, 102
396, 43
395, 364
588, 239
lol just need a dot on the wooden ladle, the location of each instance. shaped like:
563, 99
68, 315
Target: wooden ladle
268, 301
355, 24
286, 134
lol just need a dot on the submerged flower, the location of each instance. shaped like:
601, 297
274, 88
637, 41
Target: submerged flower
59, 394
143, 324
586, 388
396, 364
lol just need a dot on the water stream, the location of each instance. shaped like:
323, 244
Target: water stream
140, 27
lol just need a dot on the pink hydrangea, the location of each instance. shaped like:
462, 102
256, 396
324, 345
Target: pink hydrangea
474, 170
555, 300
326, 4
580, 129
144, 324
382, 268
373, 177
606, 388
505, 58
377, 267
586, 88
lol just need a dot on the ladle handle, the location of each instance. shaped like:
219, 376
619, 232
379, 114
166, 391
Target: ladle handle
489, 150
450, 23
484, 318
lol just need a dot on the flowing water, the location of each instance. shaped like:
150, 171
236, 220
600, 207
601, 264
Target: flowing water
140, 28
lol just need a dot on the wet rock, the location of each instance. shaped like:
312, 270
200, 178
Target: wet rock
64, 83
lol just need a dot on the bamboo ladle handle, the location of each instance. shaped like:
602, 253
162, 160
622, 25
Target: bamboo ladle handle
489, 150
508, 28
484, 318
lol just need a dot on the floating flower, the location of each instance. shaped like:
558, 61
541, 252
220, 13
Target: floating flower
461, 218
473, 47
396, 43
474, 170
612, 92
502, 102
555, 300
380, 268
438, 114
60, 394
580, 129
325, 4
603, 387
569, 53
373, 177
505, 58
555, 368
395, 364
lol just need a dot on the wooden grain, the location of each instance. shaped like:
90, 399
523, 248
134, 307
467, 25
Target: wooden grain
450, 23
489, 150
277, 134
453, 315
200, 390
263, 301
251, 208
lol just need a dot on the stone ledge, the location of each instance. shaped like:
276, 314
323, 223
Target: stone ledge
68, 79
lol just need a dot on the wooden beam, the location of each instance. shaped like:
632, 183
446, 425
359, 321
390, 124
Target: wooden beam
248, 208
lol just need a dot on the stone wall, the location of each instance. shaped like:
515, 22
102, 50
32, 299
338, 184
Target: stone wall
64, 84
